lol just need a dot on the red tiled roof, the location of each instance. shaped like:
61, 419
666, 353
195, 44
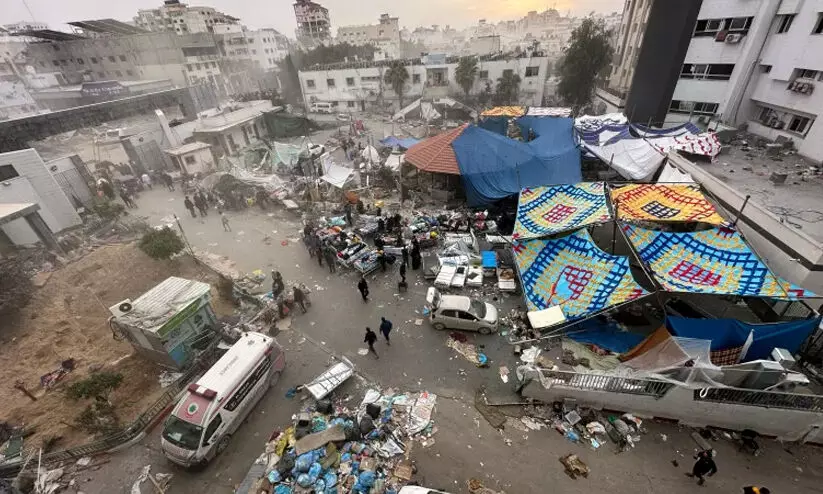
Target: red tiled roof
436, 154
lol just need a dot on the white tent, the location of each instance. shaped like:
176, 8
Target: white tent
393, 161
370, 154
634, 159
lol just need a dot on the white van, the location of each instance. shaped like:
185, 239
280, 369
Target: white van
321, 107
201, 424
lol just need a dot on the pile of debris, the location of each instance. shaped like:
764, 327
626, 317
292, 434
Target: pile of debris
330, 448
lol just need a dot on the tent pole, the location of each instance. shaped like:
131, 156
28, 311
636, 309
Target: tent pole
614, 226
740, 211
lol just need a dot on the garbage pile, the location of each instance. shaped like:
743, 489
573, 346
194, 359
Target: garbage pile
585, 426
330, 449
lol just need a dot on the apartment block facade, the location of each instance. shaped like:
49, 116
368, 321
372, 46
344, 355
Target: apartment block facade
180, 18
313, 23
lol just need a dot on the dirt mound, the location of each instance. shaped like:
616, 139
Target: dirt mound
67, 318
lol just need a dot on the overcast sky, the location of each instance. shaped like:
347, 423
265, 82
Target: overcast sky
279, 14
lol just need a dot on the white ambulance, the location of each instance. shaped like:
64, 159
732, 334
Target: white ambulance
201, 424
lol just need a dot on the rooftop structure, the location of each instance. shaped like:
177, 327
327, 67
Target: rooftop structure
23, 26
107, 26
175, 16
313, 23
384, 35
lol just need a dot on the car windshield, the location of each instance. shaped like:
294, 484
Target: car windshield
478, 308
182, 433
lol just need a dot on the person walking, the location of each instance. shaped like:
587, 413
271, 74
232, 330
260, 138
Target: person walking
225, 220
331, 258
300, 298
200, 203
277, 285
703, 467
363, 286
405, 253
385, 329
347, 210
169, 181
190, 206
146, 179
403, 273
124, 195
371, 338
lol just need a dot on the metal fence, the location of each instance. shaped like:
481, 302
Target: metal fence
105, 444
766, 399
611, 384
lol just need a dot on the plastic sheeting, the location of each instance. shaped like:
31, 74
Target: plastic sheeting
672, 174
504, 111
686, 128
633, 159
711, 261
335, 174
549, 111
729, 333
393, 161
403, 142
705, 144
494, 166
543, 211
607, 336
574, 273
664, 202
498, 125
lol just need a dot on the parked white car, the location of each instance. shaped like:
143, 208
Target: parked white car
461, 312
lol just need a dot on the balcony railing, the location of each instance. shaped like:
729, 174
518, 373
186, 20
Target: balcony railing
611, 384
766, 399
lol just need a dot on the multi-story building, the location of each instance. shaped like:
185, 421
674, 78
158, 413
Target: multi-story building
385, 35
23, 26
354, 86
250, 57
313, 23
175, 16
736, 61
183, 59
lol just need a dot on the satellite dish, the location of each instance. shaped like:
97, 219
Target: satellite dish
125, 307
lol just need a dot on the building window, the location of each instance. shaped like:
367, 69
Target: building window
7, 172
818, 26
214, 65
806, 74
122, 58
117, 73
189, 67
254, 52
693, 107
190, 160
310, 83
130, 73
415, 78
56, 63
508, 72
765, 69
707, 27
93, 60
101, 75
81, 61
717, 71
42, 63
799, 124
350, 81
532, 71
350, 104
483, 74
111, 59
784, 23
330, 82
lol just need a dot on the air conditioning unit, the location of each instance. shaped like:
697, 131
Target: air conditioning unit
792, 86
121, 308
733, 38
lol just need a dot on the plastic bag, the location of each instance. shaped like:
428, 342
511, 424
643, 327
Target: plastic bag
303, 480
282, 489
303, 462
364, 482
315, 470
319, 486
274, 477
330, 479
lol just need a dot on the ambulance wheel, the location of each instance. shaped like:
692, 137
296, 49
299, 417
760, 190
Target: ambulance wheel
223, 444
275, 378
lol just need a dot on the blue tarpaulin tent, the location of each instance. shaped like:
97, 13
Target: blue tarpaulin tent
729, 333
404, 143
498, 125
494, 166
608, 336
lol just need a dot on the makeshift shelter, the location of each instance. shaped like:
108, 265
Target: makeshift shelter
494, 166
543, 211
679, 130
634, 159
404, 142
712, 261
336, 175
608, 336
672, 174
504, 111
435, 154
549, 111
758, 339
393, 161
370, 154
575, 274
664, 202
282, 124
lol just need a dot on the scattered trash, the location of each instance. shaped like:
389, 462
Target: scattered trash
362, 351
574, 467
504, 373
530, 355
418, 322
167, 378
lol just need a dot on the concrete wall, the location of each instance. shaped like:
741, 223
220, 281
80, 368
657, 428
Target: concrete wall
789, 252
679, 404
19, 190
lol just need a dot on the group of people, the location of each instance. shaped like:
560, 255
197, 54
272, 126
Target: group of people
704, 467
320, 249
202, 202
300, 296
371, 337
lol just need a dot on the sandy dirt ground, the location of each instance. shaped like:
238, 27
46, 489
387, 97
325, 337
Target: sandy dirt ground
67, 319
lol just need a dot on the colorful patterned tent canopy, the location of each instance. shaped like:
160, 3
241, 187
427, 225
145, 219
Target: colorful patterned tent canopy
574, 273
544, 211
664, 202
712, 261
549, 111
504, 111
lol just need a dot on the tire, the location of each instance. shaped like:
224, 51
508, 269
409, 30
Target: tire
222, 445
484, 330
439, 326
274, 379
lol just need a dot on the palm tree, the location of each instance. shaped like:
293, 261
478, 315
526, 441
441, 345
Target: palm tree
396, 77
465, 73
508, 87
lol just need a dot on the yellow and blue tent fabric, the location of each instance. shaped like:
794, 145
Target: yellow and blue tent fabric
574, 273
714, 261
548, 210
664, 202
504, 111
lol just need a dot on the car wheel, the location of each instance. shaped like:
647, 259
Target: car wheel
223, 444
275, 378
484, 330
439, 326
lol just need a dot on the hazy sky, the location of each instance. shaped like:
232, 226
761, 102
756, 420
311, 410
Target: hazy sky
279, 14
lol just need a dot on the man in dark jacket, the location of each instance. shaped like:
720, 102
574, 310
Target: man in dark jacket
300, 298
703, 467
385, 328
370, 338
190, 206
363, 286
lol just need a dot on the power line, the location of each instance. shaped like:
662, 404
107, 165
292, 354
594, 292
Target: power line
30, 12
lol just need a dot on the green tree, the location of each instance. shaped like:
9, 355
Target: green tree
161, 244
485, 95
508, 88
396, 77
97, 386
465, 73
585, 60
336, 54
